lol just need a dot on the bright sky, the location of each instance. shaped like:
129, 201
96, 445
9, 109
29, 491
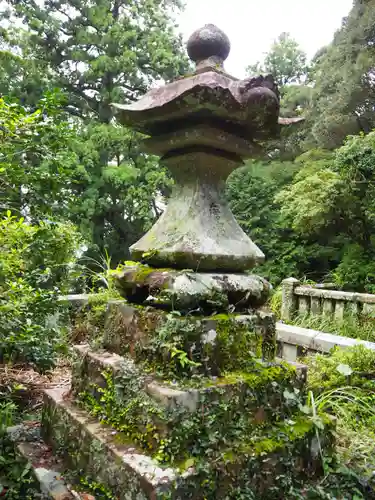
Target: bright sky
253, 25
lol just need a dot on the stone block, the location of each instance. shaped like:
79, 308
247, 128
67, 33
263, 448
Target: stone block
316, 306
201, 135
289, 299
215, 343
339, 310
289, 352
89, 446
368, 309
188, 291
303, 305
107, 385
314, 340
289, 448
328, 307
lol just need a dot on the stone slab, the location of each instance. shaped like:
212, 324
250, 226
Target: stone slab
187, 290
201, 135
250, 106
90, 446
98, 361
87, 377
197, 230
335, 295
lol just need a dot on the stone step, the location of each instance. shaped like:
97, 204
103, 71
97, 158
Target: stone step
289, 448
47, 470
114, 389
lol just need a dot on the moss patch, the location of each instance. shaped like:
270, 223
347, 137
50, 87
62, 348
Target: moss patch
181, 346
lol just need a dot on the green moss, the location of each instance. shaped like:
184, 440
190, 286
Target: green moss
208, 346
259, 376
144, 271
279, 438
172, 435
235, 343
88, 323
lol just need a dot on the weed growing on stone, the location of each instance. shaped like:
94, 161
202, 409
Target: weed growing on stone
344, 385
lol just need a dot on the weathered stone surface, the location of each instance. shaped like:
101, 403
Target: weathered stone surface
46, 468
187, 291
197, 230
208, 46
88, 378
289, 299
365, 298
251, 106
314, 340
132, 475
202, 135
92, 447
217, 339
189, 387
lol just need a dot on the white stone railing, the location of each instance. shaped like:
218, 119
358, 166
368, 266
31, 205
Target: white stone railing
318, 300
294, 342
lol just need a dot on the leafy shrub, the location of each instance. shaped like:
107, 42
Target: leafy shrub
344, 384
276, 302
36, 263
325, 373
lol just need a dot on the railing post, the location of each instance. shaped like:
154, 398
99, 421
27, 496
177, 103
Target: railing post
289, 300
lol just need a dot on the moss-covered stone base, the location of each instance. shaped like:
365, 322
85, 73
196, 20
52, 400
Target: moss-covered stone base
251, 465
150, 411
208, 345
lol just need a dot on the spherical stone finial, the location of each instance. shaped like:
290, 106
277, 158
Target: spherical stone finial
208, 42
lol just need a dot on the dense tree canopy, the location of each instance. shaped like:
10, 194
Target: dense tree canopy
344, 94
37, 163
96, 54
317, 221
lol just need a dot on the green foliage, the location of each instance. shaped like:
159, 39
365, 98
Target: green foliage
180, 347
15, 477
319, 224
36, 160
325, 376
133, 413
251, 192
98, 54
224, 429
97, 489
343, 99
35, 267
285, 61
343, 384
275, 302
331, 201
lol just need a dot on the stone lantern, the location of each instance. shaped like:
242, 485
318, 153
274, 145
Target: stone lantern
180, 395
202, 126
